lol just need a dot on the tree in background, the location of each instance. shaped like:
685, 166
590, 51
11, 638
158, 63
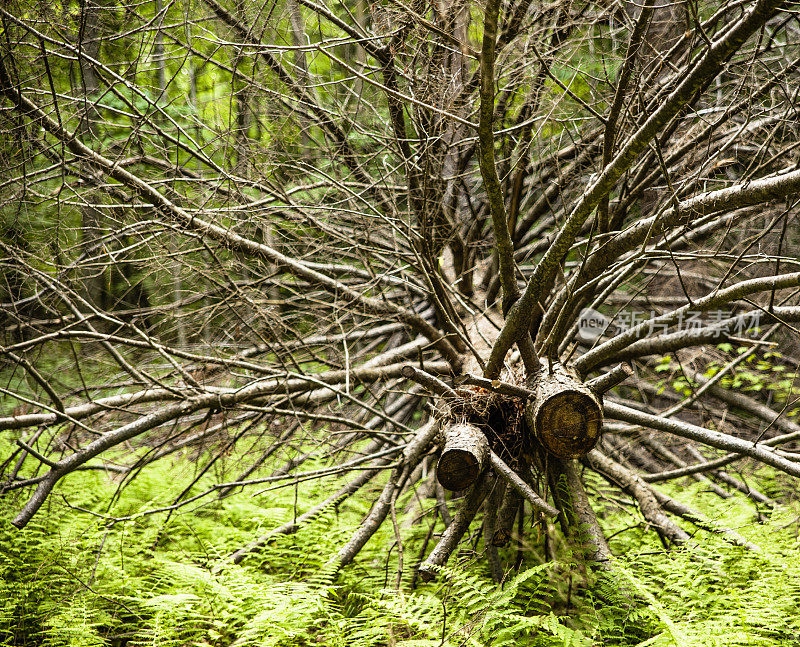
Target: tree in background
458, 245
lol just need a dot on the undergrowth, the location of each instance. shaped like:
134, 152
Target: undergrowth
79, 579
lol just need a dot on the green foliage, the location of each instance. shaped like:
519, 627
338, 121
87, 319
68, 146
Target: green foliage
78, 579
765, 371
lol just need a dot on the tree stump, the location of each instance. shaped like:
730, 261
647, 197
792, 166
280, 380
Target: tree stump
566, 416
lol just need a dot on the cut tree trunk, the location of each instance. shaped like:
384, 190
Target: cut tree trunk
566, 416
464, 457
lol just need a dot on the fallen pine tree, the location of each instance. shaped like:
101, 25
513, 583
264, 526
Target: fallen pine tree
415, 316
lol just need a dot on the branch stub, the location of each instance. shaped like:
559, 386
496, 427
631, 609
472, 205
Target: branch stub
566, 416
464, 457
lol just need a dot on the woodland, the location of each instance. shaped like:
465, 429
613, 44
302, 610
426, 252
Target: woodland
399, 323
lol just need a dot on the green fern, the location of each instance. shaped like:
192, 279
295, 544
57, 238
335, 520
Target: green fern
76, 580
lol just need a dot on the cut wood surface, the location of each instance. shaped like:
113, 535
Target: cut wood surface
464, 457
566, 416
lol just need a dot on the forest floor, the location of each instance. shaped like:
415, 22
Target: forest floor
89, 573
